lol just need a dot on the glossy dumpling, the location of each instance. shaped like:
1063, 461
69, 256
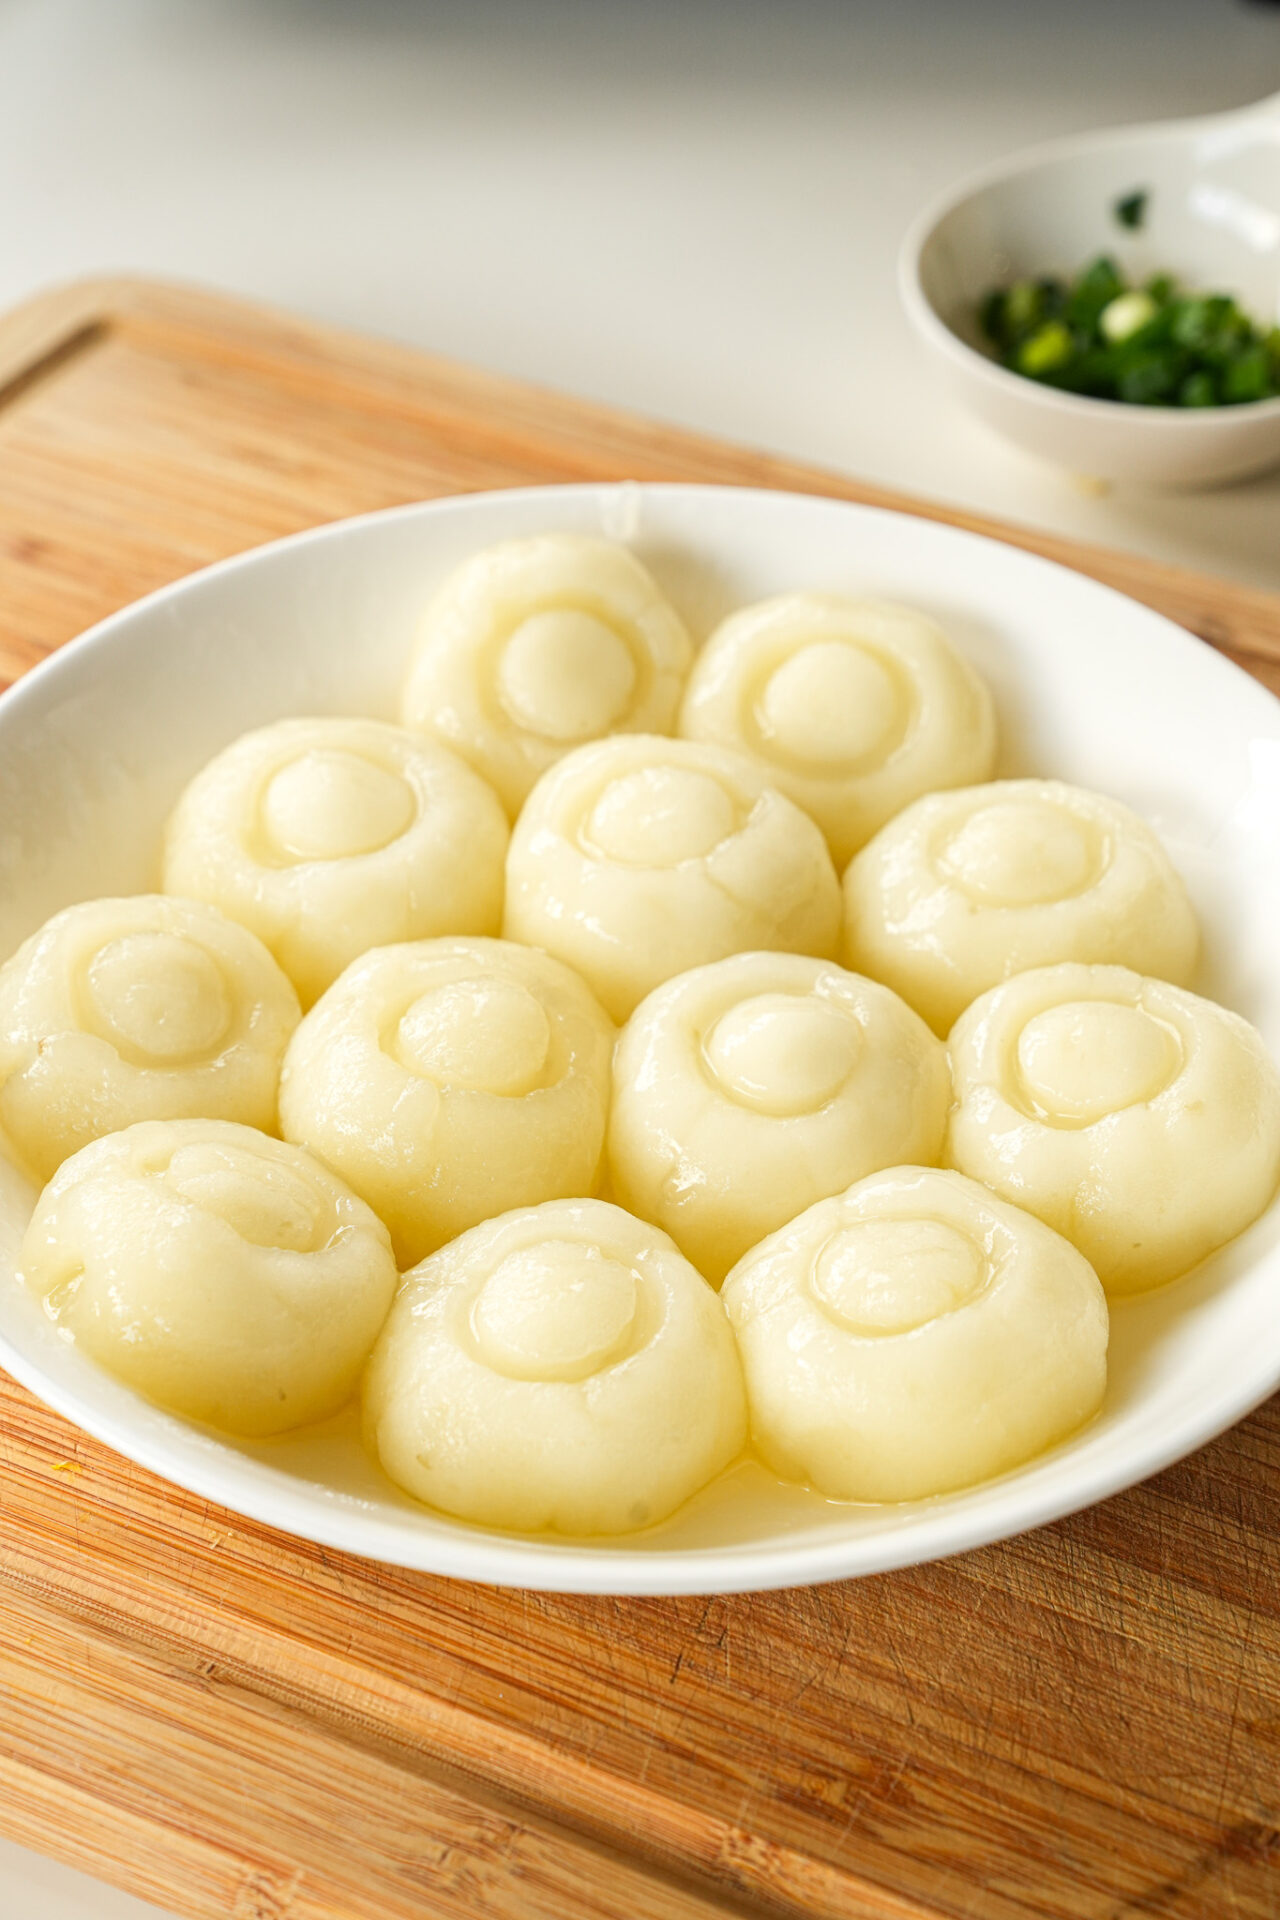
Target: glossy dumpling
450, 1080
535, 646
637, 858
1138, 1119
913, 1336
965, 889
142, 1008
853, 707
328, 837
746, 1090
560, 1367
229, 1277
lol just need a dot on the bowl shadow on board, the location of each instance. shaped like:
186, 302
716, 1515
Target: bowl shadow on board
1228, 536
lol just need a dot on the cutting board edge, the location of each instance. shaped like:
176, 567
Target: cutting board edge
35, 338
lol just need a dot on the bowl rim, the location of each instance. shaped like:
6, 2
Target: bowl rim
205, 1464
936, 332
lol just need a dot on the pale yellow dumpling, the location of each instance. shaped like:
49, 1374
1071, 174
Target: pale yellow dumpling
746, 1090
141, 1008
913, 1336
228, 1277
450, 1080
965, 889
853, 707
328, 837
637, 858
535, 646
560, 1367
1138, 1119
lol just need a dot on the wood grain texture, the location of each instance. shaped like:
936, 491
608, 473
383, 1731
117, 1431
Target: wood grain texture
1080, 1725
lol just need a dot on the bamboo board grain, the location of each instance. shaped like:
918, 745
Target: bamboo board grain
1080, 1725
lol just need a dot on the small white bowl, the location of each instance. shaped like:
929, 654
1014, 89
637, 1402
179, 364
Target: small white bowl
96, 744
1212, 220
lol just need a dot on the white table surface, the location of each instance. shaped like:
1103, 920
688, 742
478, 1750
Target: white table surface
689, 209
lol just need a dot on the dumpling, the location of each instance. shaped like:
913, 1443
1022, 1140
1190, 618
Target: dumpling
746, 1090
228, 1277
328, 837
965, 889
535, 646
143, 1008
450, 1080
637, 858
1138, 1119
560, 1367
913, 1336
853, 707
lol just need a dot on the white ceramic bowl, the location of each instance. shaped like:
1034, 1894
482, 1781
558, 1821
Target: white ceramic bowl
95, 744
1213, 220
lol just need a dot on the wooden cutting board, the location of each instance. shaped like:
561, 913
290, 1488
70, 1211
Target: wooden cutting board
1083, 1724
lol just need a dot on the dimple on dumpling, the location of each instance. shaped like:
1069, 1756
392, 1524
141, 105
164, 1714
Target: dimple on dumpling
450, 1080
1140, 1120
560, 1367
637, 858
535, 646
228, 1277
913, 1336
746, 1090
141, 1008
327, 837
965, 889
853, 707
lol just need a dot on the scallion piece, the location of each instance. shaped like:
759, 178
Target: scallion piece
1131, 209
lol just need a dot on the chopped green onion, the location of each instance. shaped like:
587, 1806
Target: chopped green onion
1198, 390
1023, 305
1212, 324
1131, 209
1095, 289
1127, 314
1247, 377
1149, 379
1155, 346
1051, 346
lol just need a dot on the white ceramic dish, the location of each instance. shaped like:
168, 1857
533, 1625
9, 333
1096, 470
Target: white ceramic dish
95, 744
1213, 219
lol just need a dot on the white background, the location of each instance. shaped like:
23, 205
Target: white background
686, 208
